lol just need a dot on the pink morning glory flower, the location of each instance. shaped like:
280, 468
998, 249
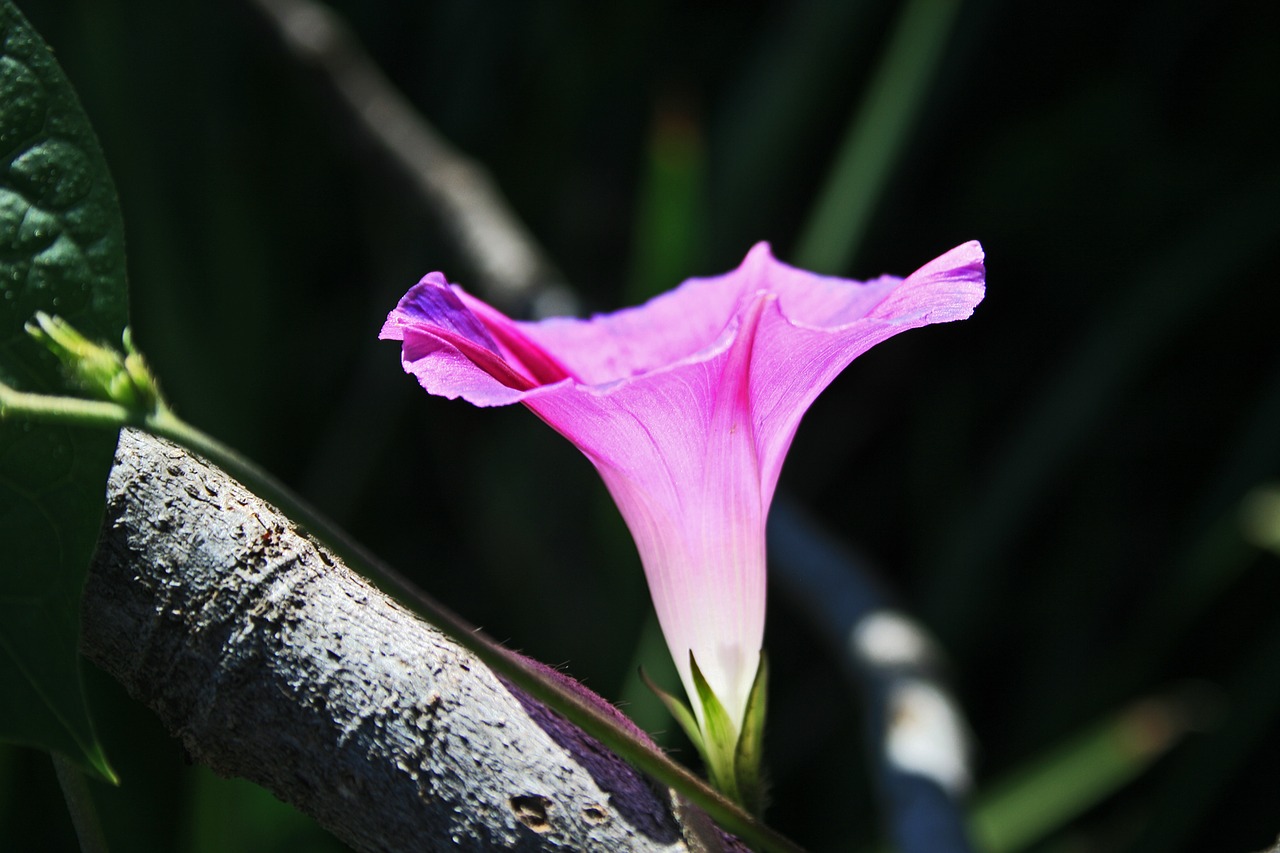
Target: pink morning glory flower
686, 405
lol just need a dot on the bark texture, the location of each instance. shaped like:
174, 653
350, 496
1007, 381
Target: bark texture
273, 662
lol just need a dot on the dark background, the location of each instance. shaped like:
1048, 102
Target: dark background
1053, 486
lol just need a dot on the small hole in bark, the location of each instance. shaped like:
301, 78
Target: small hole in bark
533, 811
594, 813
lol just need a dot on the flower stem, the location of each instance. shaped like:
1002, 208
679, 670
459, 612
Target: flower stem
72, 411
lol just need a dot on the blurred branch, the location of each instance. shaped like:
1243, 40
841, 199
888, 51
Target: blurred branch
915, 727
273, 662
512, 269
1058, 785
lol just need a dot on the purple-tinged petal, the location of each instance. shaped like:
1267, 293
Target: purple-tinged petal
945, 289
540, 366
432, 304
457, 351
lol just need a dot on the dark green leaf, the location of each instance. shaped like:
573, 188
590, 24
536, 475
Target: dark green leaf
62, 252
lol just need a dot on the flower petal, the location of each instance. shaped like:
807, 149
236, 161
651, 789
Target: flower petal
686, 405
803, 345
679, 458
669, 328
457, 352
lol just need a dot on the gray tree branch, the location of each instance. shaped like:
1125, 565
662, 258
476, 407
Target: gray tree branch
271, 661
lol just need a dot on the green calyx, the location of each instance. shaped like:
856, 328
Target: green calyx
122, 378
733, 758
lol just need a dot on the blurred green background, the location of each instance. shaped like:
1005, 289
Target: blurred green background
1053, 486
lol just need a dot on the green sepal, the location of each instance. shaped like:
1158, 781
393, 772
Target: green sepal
680, 712
719, 734
749, 755
733, 759
122, 378
139, 372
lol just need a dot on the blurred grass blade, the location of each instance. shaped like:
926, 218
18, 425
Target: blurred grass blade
872, 144
1260, 517
1213, 555
1201, 268
1209, 770
61, 251
773, 113
670, 221
1057, 787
